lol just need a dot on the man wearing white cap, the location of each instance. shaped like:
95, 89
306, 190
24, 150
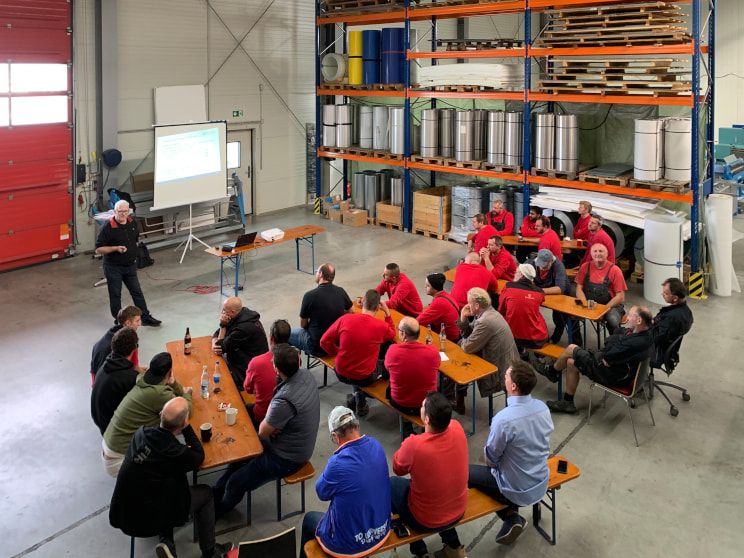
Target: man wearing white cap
357, 484
519, 303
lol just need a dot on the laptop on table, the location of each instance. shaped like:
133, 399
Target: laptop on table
242, 241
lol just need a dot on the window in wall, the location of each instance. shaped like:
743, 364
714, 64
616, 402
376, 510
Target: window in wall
233, 155
34, 83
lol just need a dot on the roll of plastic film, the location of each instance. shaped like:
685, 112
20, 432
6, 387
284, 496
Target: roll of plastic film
333, 67
356, 73
380, 127
371, 44
391, 68
365, 127
343, 125
355, 44
397, 130
677, 148
648, 149
371, 71
392, 39
329, 125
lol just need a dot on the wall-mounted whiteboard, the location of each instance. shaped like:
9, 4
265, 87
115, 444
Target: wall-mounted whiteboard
180, 104
190, 164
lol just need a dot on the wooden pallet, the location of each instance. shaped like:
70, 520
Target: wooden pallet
447, 162
430, 234
416, 158
365, 87
515, 169
612, 91
676, 186
478, 44
390, 226
371, 220
565, 175
620, 180
462, 88
339, 7
333, 149
378, 153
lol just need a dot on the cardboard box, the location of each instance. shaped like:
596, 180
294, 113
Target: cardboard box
355, 217
335, 215
389, 214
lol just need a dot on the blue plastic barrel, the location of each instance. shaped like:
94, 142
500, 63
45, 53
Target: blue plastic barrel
391, 70
392, 39
371, 44
371, 71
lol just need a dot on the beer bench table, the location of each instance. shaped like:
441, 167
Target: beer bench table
304, 234
479, 505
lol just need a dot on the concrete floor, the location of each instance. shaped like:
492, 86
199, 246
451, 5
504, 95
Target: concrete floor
676, 495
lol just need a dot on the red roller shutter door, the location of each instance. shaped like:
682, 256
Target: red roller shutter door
35, 159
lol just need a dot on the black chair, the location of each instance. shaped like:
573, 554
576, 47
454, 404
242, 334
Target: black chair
281, 545
669, 362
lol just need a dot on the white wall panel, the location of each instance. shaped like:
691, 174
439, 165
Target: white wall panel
729, 63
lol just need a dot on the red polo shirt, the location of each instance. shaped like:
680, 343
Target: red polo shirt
519, 303
528, 228
550, 241
403, 296
438, 465
355, 339
468, 276
260, 378
481, 237
413, 371
504, 265
503, 222
442, 310
599, 237
581, 228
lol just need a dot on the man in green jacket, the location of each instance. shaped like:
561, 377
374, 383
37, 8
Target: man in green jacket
141, 407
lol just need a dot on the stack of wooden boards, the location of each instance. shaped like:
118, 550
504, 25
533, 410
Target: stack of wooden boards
633, 24
338, 7
657, 77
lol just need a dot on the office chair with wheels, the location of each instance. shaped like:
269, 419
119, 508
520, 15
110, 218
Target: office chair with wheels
627, 393
670, 362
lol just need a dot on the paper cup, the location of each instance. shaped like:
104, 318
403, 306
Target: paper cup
231, 416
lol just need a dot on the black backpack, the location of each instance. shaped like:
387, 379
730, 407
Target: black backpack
143, 256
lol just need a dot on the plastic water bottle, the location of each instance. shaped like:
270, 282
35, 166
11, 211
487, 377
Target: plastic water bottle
217, 376
442, 339
429, 338
205, 383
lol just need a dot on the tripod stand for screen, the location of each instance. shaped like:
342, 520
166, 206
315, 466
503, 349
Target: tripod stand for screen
189, 239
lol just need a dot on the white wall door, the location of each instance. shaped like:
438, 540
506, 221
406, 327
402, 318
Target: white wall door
240, 161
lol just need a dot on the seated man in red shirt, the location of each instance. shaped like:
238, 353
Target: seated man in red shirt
519, 303
598, 236
260, 376
471, 274
355, 340
500, 219
528, 229
483, 232
602, 281
443, 309
581, 228
548, 238
498, 260
435, 497
413, 369
401, 291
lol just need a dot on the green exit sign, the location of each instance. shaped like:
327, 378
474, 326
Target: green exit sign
237, 113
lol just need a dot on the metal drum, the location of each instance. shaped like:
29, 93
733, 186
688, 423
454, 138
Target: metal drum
513, 138
447, 132
429, 132
365, 127
495, 141
544, 140
464, 135
396, 191
566, 143
371, 192
397, 130
480, 121
357, 189
380, 127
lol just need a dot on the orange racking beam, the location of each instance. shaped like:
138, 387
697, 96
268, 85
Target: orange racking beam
465, 10
687, 48
469, 172
485, 53
679, 101
397, 16
360, 93
361, 158
502, 95
623, 191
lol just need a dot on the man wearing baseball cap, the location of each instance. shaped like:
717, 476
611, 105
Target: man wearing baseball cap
519, 303
141, 407
552, 279
357, 484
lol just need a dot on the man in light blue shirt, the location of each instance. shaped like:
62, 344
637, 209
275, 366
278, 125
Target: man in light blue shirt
516, 452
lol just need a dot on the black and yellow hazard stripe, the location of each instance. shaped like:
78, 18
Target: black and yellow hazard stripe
316, 206
696, 285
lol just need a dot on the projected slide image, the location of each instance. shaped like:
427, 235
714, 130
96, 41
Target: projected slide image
187, 155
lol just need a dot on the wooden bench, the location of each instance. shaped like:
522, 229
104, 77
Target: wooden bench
479, 505
306, 472
378, 391
327, 362
549, 350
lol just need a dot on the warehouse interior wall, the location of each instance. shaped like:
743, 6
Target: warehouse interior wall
729, 104
255, 57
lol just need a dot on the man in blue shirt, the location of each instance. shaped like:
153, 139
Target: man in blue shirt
516, 452
357, 483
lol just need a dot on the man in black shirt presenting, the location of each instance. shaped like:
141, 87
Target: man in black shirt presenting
117, 242
321, 307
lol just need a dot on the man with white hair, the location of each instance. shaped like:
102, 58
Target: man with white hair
519, 303
117, 243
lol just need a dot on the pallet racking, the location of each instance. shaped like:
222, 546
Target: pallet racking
700, 103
